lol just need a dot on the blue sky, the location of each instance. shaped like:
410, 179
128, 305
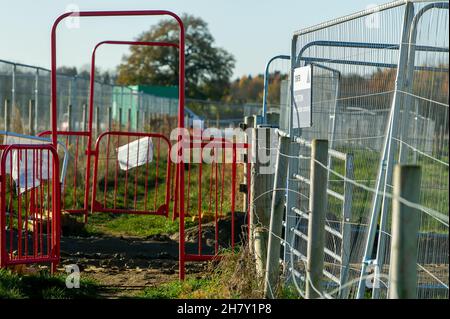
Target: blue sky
252, 30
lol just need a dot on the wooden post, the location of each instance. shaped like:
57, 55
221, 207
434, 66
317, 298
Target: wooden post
248, 123
276, 218
273, 119
31, 129
120, 119
144, 120
84, 117
316, 221
97, 120
7, 115
137, 121
70, 117
346, 227
405, 227
109, 118
261, 199
129, 120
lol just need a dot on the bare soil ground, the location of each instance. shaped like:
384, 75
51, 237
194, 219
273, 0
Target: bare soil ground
124, 266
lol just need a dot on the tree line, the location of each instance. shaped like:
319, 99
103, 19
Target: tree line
208, 68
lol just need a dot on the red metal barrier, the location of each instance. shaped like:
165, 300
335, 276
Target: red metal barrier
208, 195
181, 85
132, 184
181, 44
96, 206
73, 197
29, 205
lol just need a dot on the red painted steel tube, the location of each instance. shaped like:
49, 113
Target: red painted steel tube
111, 14
223, 145
95, 172
175, 193
145, 181
189, 188
91, 106
19, 214
11, 221
181, 88
64, 133
75, 172
156, 177
26, 202
135, 178
77, 135
125, 198
216, 216
63, 197
233, 194
199, 208
3, 251
210, 187
27, 257
106, 171
222, 181
115, 174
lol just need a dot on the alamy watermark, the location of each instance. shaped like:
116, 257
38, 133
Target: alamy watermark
73, 277
372, 21
212, 145
73, 20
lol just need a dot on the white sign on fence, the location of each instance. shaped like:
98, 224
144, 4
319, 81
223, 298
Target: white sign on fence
302, 104
135, 154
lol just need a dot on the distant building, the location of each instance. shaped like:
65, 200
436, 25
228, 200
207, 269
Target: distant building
145, 98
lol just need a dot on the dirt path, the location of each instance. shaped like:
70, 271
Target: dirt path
125, 266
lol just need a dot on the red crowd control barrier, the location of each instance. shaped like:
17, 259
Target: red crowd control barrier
74, 197
89, 151
132, 173
29, 204
137, 208
212, 200
30, 220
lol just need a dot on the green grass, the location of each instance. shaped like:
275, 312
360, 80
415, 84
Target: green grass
218, 281
131, 225
434, 186
197, 288
42, 286
289, 292
189, 288
232, 277
146, 225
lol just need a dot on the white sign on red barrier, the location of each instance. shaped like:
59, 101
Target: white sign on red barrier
135, 154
